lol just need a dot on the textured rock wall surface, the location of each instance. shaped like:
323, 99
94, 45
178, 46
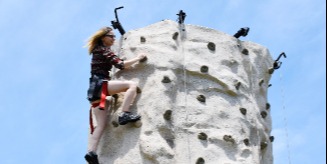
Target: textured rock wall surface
203, 99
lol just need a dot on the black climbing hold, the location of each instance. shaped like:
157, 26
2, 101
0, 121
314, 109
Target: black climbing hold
143, 40
116, 96
263, 145
245, 51
246, 142
229, 138
144, 59
271, 138
138, 90
237, 85
243, 111
211, 46
204, 69
201, 98
167, 115
202, 136
175, 35
263, 114
166, 79
267, 106
261, 82
200, 161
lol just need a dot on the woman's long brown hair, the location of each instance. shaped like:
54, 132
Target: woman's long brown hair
95, 39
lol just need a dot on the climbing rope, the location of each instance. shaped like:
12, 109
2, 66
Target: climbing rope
255, 161
182, 32
285, 121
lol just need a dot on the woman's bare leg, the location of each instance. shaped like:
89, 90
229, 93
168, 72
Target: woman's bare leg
101, 118
123, 86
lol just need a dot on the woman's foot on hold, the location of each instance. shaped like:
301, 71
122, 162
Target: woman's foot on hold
91, 158
127, 117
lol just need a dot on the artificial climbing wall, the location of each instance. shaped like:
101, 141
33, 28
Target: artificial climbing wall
202, 97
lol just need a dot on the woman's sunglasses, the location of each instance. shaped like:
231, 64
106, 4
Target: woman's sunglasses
111, 36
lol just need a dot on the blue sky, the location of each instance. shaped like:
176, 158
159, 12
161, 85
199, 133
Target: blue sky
45, 69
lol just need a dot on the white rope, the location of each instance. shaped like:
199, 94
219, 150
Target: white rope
252, 145
182, 34
285, 122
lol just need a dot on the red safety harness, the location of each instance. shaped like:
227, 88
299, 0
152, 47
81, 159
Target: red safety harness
101, 104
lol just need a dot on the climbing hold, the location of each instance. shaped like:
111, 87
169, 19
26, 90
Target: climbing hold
267, 106
263, 145
271, 138
269, 85
116, 96
137, 124
200, 161
237, 85
115, 124
144, 59
175, 35
143, 40
264, 114
167, 115
229, 138
132, 48
246, 142
271, 70
245, 51
166, 79
211, 46
204, 69
201, 98
243, 111
138, 90
261, 82
202, 136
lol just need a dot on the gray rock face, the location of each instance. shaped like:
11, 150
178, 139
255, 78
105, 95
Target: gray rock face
203, 99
